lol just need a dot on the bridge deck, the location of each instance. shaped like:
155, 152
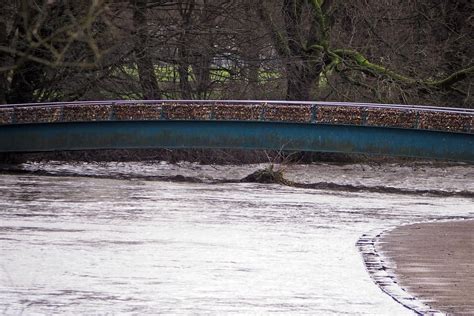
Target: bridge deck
418, 131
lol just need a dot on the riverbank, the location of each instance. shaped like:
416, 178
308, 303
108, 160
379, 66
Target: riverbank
434, 262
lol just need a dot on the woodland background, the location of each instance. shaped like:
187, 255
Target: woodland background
385, 51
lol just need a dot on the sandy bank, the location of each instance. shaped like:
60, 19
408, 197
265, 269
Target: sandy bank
435, 263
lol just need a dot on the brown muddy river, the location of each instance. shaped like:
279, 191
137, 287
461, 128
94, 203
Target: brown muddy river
117, 238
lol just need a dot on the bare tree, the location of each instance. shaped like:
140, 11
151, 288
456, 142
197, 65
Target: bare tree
302, 33
145, 65
40, 35
387, 51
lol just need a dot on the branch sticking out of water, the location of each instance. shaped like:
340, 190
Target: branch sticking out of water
267, 175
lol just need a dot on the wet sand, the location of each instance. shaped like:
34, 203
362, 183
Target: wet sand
435, 263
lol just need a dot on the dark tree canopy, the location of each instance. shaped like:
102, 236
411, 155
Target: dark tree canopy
388, 51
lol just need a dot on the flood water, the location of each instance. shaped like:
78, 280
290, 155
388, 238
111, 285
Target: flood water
109, 239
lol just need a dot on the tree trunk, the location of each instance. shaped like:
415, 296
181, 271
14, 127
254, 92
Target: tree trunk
146, 69
302, 75
3, 63
300, 82
28, 75
202, 69
252, 69
183, 71
186, 9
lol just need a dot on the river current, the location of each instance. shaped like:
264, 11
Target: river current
122, 238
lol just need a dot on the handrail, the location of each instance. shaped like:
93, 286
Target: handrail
248, 102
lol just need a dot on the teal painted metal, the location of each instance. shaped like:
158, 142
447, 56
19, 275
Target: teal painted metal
241, 135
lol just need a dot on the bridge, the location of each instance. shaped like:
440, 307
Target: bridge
381, 129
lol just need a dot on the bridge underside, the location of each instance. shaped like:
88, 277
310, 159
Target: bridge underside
238, 135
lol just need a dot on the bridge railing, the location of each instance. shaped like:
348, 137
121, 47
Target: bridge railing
341, 113
248, 102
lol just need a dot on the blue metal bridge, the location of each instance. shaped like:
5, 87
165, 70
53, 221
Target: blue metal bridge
381, 129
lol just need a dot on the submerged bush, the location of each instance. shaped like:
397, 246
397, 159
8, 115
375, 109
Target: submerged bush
267, 175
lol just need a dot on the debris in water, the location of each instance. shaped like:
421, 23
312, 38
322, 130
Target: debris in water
267, 175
